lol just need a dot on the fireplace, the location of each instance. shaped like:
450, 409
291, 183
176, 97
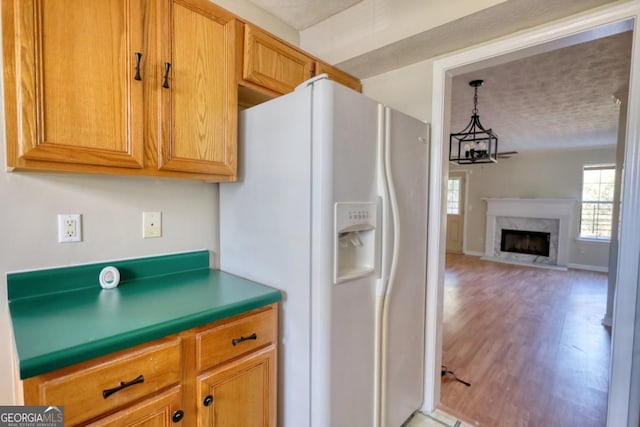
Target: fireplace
525, 242
552, 217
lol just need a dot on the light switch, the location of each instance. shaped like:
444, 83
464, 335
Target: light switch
151, 224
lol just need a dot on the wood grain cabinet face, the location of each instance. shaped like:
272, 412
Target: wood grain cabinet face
156, 411
271, 63
232, 339
85, 87
199, 117
240, 393
80, 389
74, 98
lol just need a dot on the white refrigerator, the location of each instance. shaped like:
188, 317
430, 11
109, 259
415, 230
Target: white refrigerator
331, 208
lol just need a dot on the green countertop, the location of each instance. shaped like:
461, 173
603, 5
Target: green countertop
58, 329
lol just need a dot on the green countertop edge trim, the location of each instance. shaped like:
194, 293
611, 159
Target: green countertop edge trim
44, 282
52, 361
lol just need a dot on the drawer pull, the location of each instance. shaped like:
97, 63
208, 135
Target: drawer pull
123, 385
208, 400
165, 81
237, 341
177, 416
138, 58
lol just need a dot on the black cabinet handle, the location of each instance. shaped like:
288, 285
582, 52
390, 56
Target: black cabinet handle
165, 82
208, 400
237, 341
177, 416
138, 58
123, 385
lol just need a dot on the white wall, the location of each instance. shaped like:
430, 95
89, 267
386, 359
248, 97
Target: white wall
112, 214
372, 24
549, 174
112, 227
406, 89
261, 18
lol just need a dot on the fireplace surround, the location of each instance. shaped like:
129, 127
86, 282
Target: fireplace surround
529, 216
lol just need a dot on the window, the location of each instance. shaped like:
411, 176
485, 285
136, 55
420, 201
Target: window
597, 202
453, 196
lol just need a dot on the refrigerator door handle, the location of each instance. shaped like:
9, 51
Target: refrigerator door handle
383, 193
393, 202
386, 250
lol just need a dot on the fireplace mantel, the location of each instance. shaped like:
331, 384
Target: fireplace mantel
532, 209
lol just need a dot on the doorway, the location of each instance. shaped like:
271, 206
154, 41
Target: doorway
623, 408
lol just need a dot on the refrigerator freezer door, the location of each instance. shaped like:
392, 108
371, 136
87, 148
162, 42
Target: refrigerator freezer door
343, 316
265, 222
404, 306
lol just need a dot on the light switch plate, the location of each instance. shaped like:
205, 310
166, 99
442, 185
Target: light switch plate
151, 224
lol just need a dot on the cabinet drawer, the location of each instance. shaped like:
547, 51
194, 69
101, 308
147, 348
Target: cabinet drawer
96, 387
154, 411
235, 338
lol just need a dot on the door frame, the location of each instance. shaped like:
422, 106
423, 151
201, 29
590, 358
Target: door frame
623, 401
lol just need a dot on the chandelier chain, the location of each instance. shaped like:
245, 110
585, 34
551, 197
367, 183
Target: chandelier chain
475, 102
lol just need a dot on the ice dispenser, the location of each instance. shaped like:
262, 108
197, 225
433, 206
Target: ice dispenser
355, 228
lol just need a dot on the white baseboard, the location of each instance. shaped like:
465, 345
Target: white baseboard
472, 253
589, 267
607, 321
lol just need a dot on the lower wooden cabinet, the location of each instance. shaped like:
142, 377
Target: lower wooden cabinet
220, 374
161, 410
239, 394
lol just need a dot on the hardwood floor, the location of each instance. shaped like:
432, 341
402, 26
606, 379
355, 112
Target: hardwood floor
530, 342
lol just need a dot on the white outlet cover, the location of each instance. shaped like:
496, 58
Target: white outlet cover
151, 224
69, 228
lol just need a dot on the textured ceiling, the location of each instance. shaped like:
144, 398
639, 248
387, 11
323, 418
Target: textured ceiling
301, 14
559, 99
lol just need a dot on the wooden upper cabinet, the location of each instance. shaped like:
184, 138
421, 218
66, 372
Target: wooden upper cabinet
134, 87
199, 99
271, 63
85, 87
338, 76
70, 85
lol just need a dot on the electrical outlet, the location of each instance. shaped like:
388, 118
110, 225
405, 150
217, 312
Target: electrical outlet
69, 228
151, 224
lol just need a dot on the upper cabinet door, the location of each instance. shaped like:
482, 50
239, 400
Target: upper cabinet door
272, 64
70, 86
198, 89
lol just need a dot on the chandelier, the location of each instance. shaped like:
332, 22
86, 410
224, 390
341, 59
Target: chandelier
474, 144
